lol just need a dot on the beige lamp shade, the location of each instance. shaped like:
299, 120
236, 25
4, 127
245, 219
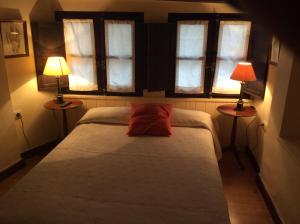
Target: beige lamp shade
56, 66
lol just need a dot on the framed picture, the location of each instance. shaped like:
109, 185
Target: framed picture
14, 38
275, 51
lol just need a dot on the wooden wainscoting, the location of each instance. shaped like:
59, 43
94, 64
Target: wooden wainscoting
223, 123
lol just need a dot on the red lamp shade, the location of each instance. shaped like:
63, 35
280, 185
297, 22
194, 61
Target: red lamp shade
243, 72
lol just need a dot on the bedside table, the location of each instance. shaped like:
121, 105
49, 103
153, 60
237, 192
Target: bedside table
229, 110
52, 105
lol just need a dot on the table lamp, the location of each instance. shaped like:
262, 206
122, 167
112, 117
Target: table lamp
244, 73
57, 66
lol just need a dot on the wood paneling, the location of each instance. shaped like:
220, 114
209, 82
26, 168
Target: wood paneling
222, 123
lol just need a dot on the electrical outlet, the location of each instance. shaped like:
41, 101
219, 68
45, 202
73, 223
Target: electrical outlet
18, 115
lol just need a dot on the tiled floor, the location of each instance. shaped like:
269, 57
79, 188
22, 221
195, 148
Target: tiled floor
245, 203
9, 182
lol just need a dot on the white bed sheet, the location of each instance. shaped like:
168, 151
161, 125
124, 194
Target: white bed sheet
100, 175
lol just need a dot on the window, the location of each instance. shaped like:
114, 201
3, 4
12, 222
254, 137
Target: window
80, 54
119, 40
190, 56
232, 48
208, 47
101, 50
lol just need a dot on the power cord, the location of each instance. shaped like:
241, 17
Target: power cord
256, 132
56, 122
247, 129
23, 131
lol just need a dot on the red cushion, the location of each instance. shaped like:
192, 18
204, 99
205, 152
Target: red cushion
150, 119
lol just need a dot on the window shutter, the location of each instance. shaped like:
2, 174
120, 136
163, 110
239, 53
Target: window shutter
158, 56
48, 40
259, 49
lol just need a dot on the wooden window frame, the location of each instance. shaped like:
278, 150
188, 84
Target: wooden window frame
211, 50
132, 58
98, 21
201, 59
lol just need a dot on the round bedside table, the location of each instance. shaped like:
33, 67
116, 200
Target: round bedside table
229, 110
52, 105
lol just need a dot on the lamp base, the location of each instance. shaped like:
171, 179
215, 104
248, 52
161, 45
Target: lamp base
240, 105
59, 99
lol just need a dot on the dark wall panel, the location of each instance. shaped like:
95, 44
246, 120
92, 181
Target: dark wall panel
158, 55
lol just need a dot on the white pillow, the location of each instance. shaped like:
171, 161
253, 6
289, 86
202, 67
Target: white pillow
121, 115
107, 115
190, 118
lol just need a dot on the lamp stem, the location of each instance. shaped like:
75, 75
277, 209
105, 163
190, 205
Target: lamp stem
58, 85
59, 96
241, 91
240, 103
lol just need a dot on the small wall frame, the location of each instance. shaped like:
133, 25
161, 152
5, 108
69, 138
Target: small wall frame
275, 51
14, 38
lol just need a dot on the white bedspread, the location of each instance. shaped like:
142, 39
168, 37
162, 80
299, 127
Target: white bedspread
100, 175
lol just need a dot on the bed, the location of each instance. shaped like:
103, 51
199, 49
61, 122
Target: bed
100, 175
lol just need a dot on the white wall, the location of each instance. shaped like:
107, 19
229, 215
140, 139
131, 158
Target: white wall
22, 84
279, 158
9, 147
154, 10
291, 122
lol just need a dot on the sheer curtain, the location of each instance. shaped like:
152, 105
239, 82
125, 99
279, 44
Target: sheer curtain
80, 52
119, 39
190, 56
232, 48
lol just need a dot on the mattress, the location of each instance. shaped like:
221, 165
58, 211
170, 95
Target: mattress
100, 175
